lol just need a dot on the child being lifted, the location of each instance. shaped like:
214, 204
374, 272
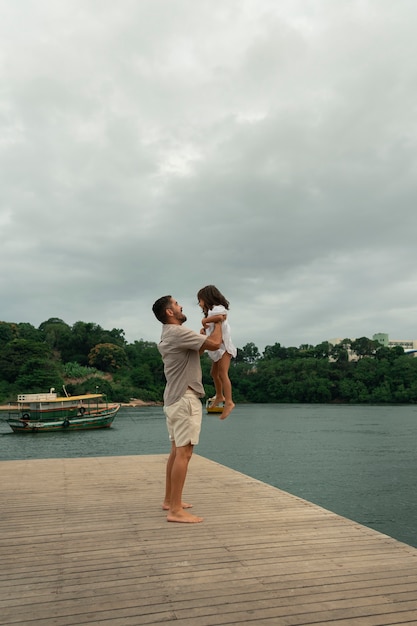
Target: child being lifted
215, 307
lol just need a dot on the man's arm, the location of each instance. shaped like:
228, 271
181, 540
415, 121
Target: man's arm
214, 341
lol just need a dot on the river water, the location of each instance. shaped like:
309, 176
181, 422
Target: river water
358, 461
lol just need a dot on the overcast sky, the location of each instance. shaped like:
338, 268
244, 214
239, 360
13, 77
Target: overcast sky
151, 147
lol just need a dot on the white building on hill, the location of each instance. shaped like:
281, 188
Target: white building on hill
409, 345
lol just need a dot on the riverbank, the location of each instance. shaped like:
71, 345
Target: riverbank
136, 402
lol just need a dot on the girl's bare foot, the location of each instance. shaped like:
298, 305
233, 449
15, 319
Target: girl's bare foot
184, 518
227, 409
215, 401
185, 505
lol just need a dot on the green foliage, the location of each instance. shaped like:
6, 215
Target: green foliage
8, 332
275, 352
86, 335
38, 374
75, 370
75, 343
249, 353
146, 353
364, 347
16, 353
88, 358
141, 376
107, 357
27, 331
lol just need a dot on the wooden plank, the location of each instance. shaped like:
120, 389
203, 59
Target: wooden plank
84, 541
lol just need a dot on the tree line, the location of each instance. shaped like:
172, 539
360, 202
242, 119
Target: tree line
87, 358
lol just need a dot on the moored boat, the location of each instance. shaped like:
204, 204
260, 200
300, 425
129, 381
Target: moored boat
217, 408
47, 412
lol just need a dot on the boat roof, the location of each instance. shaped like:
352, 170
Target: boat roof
42, 397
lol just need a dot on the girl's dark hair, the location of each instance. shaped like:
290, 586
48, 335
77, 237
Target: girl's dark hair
211, 297
160, 308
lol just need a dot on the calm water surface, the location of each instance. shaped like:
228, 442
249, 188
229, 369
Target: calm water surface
360, 462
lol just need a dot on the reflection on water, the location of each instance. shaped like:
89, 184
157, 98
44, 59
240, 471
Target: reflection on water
360, 462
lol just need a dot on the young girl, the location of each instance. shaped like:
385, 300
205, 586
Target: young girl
215, 307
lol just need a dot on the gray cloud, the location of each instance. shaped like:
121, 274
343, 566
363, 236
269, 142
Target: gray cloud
155, 147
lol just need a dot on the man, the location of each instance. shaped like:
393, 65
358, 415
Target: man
181, 348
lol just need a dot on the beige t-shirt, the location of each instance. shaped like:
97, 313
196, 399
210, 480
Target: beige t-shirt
179, 347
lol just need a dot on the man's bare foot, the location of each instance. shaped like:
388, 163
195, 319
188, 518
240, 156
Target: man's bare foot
185, 505
227, 409
184, 518
215, 401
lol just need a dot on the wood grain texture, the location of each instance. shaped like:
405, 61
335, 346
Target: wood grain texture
85, 541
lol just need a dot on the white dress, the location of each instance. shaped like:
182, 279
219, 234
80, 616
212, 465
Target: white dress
227, 344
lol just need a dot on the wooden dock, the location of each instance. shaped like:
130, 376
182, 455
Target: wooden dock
84, 541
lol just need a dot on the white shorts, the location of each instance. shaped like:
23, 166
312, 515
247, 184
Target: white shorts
184, 419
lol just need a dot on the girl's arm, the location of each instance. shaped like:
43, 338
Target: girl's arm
213, 319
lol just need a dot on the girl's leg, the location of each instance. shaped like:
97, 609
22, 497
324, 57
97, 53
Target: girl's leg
223, 367
219, 397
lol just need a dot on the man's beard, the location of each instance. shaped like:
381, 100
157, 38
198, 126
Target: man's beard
181, 318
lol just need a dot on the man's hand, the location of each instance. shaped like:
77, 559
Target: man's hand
214, 341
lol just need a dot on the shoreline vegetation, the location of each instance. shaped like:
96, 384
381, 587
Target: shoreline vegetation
85, 358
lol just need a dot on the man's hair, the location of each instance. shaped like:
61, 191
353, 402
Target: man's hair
160, 308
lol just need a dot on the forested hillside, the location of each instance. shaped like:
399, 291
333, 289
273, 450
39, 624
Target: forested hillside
85, 357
